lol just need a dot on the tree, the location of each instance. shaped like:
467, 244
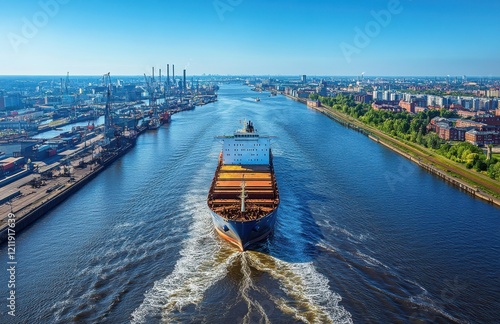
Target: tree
494, 171
480, 165
420, 138
433, 141
313, 96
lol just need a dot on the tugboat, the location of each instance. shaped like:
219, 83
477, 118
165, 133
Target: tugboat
243, 198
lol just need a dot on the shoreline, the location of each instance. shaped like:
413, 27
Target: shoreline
422, 160
36, 212
32, 211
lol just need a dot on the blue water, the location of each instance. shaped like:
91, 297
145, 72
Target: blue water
363, 235
53, 133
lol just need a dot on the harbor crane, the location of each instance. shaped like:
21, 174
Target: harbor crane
66, 83
106, 79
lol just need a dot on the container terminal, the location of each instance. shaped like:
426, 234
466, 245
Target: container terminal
44, 172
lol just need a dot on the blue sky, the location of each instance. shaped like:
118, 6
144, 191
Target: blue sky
254, 37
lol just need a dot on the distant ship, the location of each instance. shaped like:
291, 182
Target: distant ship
165, 117
154, 123
257, 99
244, 197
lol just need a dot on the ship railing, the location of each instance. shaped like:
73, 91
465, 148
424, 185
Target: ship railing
214, 179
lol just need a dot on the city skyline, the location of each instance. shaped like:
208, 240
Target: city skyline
237, 37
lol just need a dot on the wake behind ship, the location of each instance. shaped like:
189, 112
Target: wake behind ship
244, 197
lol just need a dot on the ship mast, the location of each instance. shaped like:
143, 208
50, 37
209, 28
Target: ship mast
243, 195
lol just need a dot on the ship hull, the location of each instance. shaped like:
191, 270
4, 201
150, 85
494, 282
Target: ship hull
243, 234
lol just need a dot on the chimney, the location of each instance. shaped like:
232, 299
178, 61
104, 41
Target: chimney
168, 75
184, 79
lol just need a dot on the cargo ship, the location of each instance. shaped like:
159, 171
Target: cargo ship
243, 198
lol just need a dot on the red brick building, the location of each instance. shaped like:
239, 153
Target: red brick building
466, 113
313, 103
493, 121
446, 130
481, 138
449, 133
387, 107
408, 106
471, 123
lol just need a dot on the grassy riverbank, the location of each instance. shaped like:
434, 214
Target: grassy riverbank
476, 183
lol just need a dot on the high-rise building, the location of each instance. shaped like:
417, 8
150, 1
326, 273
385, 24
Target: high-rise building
467, 103
2, 103
387, 95
476, 104
376, 95
408, 97
493, 93
303, 78
12, 100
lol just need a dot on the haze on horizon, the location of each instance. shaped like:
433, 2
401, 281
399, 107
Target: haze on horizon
242, 37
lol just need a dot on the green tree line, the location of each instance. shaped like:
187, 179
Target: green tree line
413, 128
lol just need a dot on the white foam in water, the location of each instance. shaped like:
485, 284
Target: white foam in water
245, 286
370, 260
311, 297
199, 267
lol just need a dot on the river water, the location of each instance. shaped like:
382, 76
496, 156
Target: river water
363, 235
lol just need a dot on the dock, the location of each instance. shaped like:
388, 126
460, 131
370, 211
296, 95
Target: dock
31, 197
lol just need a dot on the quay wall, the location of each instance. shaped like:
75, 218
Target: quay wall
48, 205
472, 190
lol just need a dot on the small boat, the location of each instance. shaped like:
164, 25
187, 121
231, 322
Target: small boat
257, 99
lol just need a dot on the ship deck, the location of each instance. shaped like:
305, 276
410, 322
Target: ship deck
260, 188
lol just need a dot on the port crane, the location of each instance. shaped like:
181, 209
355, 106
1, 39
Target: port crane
108, 123
155, 121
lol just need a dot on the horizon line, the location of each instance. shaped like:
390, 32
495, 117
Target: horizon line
261, 75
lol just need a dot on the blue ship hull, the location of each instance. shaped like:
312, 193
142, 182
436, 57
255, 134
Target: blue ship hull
244, 233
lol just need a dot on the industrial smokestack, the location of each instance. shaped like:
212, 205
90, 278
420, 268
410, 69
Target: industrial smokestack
173, 75
159, 75
184, 79
168, 75
153, 74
